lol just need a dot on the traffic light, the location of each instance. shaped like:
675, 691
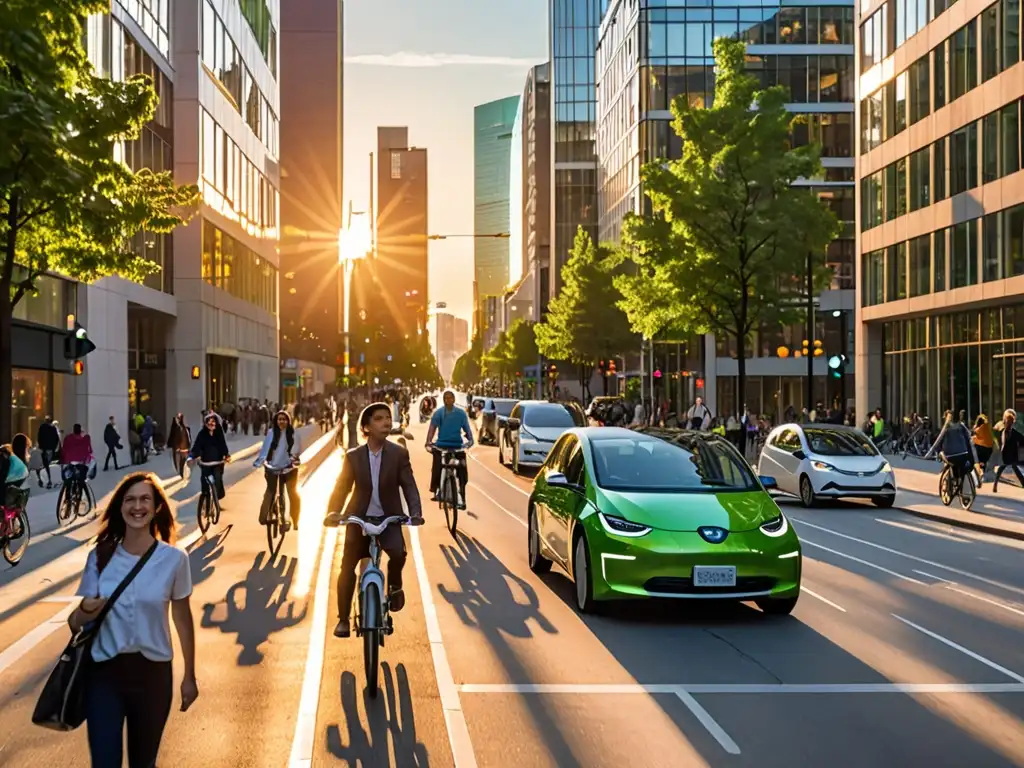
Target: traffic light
195, 372
77, 343
837, 366
79, 368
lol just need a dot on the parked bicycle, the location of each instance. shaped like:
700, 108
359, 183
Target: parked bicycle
449, 491
14, 528
75, 498
373, 619
208, 510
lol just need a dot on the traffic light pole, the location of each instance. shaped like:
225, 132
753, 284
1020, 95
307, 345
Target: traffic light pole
810, 331
842, 351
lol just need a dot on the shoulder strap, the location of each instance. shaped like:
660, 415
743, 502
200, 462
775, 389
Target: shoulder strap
125, 582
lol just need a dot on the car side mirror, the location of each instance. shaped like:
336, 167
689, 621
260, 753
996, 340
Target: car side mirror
514, 424
559, 480
799, 454
769, 483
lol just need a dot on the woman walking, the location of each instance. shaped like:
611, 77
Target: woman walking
984, 444
131, 680
1009, 446
179, 441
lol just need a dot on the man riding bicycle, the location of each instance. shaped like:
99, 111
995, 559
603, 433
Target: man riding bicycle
954, 442
280, 451
77, 453
211, 448
450, 423
372, 474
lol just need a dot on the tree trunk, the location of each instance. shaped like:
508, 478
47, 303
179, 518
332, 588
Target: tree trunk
741, 370
6, 311
604, 384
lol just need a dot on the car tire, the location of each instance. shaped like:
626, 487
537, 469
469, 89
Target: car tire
884, 501
515, 461
776, 606
501, 452
538, 563
582, 577
807, 497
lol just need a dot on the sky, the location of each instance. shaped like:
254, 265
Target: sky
426, 65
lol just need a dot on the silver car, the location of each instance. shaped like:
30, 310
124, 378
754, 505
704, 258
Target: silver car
532, 429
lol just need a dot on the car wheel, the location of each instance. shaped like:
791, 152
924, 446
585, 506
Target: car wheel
501, 452
776, 606
582, 579
807, 497
884, 501
538, 563
515, 461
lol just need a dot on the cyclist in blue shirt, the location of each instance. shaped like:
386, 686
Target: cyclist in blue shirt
449, 423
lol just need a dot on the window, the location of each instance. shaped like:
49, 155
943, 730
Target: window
940, 71
963, 261
871, 201
990, 148
900, 114
1012, 237
1009, 139
896, 285
920, 178
964, 60
963, 159
895, 189
871, 121
939, 260
920, 266
939, 172
991, 264
1010, 47
874, 40
991, 58
235, 268
919, 83
872, 278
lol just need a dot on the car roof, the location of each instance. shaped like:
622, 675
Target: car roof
818, 425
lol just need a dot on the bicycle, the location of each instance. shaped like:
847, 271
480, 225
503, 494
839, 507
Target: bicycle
14, 524
276, 513
208, 510
373, 620
448, 489
74, 488
951, 485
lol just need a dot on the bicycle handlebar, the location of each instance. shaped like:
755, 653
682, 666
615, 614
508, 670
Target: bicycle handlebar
376, 529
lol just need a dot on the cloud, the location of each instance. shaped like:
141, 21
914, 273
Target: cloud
420, 60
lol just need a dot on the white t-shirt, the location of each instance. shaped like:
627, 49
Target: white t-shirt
139, 621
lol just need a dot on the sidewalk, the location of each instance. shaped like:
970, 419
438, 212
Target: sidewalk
1000, 514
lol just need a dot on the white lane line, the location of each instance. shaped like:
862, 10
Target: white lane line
60, 599
738, 688
14, 653
451, 704
949, 568
924, 531
309, 699
966, 651
712, 726
506, 481
996, 603
862, 562
933, 576
513, 515
823, 599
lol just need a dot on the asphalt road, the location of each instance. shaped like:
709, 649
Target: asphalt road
903, 650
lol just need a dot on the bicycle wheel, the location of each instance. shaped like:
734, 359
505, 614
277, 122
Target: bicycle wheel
370, 618
63, 506
201, 514
452, 517
946, 486
215, 507
76, 498
90, 499
273, 525
968, 493
16, 544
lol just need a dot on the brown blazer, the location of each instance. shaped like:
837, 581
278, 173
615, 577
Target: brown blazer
355, 479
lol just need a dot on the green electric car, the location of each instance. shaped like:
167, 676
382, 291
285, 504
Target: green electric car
661, 513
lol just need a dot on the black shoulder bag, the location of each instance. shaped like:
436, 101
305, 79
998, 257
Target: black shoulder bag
61, 705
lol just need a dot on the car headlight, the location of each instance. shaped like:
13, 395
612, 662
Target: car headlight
886, 466
821, 466
618, 526
777, 526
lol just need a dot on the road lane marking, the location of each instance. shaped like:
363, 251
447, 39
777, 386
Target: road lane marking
862, 562
309, 699
704, 717
924, 531
451, 704
507, 482
933, 576
513, 515
996, 603
60, 599
966, 651
823, 599
949, 568
737, 688
16, 652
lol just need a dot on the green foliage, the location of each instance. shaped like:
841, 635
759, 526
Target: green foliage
498, 360
726, 249
584, 322
66, 204
522, 341
468, 370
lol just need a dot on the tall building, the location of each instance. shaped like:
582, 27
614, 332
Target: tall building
941, 209
516, 198
492, 143
536, 156
648, 56
312, 125
444, 341
226, 108
574, 27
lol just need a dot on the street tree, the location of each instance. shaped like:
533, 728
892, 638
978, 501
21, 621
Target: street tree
468, 368
584, 322
522, 341
66, 204
726, 249
498, 360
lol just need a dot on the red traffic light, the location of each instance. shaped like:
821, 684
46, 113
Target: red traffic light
700, 383
79, 367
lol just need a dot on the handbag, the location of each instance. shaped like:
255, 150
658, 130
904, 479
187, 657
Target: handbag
61, 705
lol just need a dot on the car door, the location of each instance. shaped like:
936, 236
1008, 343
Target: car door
787, 445
573, 502
513, 434
548, 502
769, 463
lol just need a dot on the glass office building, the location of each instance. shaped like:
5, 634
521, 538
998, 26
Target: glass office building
941, 207
492, 146
650, 52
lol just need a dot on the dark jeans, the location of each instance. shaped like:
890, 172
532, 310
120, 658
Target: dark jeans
133, 688
111, 454
462, 472
217, 470
357, 546
1016, 470
984, 454
47, 457
291, 487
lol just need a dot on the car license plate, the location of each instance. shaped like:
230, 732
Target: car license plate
714, 576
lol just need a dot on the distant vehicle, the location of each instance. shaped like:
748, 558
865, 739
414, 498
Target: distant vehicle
604, 409
817, 461
532, 429
495, 413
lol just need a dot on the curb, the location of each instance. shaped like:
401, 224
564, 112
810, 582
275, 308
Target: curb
968, 524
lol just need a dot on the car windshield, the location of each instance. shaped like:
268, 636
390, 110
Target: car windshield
838, 442
504, 407
549, 415
686, 464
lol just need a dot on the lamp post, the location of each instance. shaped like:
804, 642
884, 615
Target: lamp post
354, 243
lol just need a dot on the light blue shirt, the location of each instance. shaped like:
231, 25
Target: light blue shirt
16, 470
375, 509
280, 459
450, 426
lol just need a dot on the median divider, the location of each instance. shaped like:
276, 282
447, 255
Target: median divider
315, 455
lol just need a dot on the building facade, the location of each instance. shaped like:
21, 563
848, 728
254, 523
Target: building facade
650, 53
941, 208
492, 148
312, 209
536, 155
574, 27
